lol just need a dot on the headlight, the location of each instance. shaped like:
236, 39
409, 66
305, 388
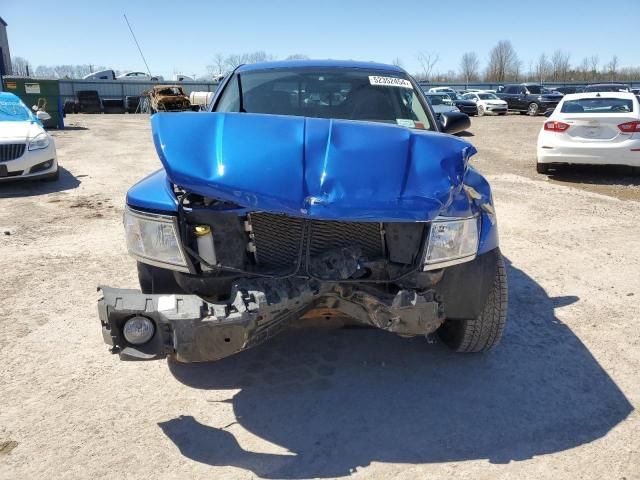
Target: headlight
153, 239
39, 141
451, 241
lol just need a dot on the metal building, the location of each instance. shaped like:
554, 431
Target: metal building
5, 56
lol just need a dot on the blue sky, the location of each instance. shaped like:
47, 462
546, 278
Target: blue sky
184, 36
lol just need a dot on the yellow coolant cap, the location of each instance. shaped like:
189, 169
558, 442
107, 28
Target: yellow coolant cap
201, 230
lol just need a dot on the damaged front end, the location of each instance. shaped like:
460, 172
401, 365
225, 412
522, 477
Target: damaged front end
264, 219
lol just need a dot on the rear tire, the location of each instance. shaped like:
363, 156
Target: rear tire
480, 110
483, 332
542, 167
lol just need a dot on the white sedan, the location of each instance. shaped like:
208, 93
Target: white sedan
140, 77
26, 149
487, 103
599, 128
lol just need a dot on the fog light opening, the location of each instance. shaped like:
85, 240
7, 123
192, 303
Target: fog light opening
138, 330
41, 166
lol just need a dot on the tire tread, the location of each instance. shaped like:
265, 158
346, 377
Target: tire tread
484, 332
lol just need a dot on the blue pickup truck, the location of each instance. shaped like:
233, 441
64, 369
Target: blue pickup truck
308, 188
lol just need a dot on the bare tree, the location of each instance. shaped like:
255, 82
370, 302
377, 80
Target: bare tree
503, 62
612, 68
542, 68
298, 56
397, 62
585, 69
427, 62
594, 61
217, 66
560, 65
469, 66
21, 67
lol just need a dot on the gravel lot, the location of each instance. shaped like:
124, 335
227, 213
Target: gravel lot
556, 400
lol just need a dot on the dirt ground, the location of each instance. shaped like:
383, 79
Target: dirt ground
555, 400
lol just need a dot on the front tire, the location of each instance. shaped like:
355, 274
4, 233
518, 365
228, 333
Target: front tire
542, 167
52, 177
156, 280
533, 109
483, 332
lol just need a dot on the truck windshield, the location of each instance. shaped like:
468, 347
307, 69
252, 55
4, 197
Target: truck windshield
341, 93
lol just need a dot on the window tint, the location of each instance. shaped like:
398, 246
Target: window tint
230, 99
487, 96
534, 89
340, 93
598, 105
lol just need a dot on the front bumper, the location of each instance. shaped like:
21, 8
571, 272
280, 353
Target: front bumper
21, 168
495, 108
195, 330
625, 153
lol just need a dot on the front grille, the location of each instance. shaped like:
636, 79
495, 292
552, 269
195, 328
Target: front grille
278, 238
11, 151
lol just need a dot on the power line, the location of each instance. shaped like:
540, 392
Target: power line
137, 44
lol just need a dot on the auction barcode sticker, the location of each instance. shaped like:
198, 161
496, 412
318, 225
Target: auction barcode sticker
389, 81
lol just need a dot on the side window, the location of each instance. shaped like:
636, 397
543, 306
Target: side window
230, 99
509, 89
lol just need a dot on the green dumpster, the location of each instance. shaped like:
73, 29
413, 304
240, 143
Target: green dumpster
43, 93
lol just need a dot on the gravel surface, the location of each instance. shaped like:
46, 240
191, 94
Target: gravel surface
555, 400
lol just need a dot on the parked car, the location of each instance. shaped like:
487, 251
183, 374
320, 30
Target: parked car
440, 103
465, 106
566, 90
591, 128
140, 77
182, 78
441, 90
606, 87
487, 103
27, 151
167, 98
101, 75
635, 91
269, 207
529, 98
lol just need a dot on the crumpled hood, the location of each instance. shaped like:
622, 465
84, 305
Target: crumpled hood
310, 167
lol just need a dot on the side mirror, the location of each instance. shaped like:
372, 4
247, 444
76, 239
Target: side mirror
43, 116
454, 122
34, 108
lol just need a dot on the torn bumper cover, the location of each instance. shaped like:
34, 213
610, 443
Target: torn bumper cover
196, 330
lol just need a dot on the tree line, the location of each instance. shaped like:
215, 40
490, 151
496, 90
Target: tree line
220, 64
502, 65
